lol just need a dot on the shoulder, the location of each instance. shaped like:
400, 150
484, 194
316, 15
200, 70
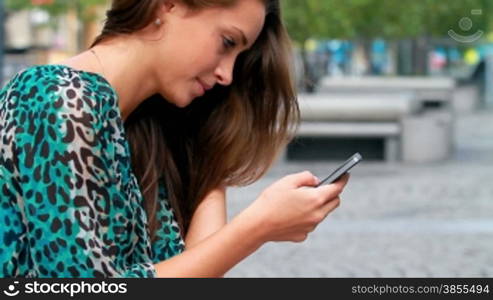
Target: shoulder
62, 91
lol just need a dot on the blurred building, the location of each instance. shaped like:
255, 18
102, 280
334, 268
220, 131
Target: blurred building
36, 37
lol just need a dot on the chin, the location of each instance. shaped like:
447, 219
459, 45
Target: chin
180, 102
182, 105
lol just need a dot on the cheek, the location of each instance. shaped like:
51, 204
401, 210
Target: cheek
197, 59
205, 60
200, 67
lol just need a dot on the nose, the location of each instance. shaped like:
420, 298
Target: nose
224, 72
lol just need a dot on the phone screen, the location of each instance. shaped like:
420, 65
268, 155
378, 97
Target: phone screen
343, 169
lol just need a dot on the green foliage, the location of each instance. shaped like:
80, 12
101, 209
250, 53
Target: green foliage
349, 19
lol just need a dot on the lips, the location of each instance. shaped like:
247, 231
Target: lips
204, 85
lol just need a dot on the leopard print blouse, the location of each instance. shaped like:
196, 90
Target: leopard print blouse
70, 205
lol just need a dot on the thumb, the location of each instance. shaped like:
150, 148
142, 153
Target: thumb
305, 178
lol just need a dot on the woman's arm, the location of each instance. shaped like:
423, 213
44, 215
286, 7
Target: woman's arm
218, 253
285, 211
209, 217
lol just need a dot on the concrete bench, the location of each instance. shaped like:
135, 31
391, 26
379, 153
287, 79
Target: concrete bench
389, 131
377, 116
393, 117
357, 106
442, 92
434, 91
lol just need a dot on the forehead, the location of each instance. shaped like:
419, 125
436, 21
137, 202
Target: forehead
246, 15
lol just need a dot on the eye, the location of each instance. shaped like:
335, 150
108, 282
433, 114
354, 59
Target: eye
229, 43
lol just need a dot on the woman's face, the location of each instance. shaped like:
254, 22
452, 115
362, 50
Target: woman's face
198, 49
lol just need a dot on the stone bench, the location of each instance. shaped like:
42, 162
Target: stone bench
357, 106
433, 91
390, 116
389, 131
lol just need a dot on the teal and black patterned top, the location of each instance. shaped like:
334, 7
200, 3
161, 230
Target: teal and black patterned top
70, 205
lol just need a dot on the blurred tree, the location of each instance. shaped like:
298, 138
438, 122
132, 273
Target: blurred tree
364, 20
313, 19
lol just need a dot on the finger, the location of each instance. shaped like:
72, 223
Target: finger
328, 193
305, 178
330, 206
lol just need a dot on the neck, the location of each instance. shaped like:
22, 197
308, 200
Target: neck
123, 63
128, 71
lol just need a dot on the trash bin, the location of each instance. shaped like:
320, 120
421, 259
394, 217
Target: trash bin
427, 137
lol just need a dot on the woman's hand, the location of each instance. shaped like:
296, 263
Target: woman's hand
286, 211
292, 207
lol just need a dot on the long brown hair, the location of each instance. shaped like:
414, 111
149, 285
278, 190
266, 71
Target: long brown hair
231, 137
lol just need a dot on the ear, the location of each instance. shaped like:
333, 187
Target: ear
174, 7
169, 5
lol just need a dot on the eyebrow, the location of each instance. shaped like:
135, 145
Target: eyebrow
244, 40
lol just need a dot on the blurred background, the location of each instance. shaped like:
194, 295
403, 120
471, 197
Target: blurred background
405, 83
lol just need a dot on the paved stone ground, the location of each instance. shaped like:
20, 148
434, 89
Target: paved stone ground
395, 220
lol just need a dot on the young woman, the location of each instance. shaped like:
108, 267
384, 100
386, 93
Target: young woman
115, 162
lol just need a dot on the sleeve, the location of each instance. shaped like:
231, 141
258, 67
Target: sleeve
75, 211
168, 241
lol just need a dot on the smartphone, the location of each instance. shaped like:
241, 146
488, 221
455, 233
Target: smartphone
343, 169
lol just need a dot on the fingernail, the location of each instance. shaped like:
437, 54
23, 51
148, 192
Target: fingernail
317, 181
